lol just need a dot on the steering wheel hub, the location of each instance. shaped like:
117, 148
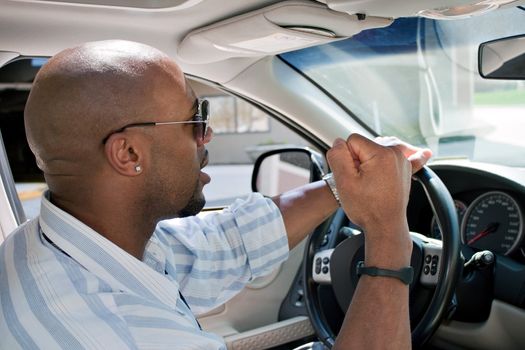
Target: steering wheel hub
346, 256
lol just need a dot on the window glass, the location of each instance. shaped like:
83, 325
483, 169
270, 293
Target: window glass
241, 133
251, 119
30, 196
222, 108
233, 115
418, 79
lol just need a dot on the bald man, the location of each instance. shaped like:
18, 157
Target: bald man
117, 258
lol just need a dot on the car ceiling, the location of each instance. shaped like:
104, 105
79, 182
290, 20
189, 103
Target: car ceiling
43, 28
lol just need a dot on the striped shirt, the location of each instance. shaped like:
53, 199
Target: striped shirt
64, 286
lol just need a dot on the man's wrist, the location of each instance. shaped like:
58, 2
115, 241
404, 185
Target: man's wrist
393, 257
389, 248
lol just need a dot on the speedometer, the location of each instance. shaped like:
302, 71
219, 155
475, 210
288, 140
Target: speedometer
435, 231
494, 221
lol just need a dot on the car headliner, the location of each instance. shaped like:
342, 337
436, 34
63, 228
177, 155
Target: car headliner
43, 28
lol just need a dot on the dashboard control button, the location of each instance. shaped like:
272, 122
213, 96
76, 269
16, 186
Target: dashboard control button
325, 269
426, 270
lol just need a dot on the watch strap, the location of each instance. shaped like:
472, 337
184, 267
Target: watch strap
405, 275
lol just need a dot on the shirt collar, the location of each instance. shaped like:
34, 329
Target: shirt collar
102, 257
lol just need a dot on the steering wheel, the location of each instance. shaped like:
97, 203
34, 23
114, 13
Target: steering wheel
436, 266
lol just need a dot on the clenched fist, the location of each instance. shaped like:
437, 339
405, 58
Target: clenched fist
373, 179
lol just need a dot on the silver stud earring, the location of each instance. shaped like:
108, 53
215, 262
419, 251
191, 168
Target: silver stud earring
138, 168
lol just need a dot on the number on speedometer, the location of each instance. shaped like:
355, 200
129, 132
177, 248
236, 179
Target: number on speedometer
494, 221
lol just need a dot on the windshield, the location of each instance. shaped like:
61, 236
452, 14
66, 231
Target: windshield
418, 80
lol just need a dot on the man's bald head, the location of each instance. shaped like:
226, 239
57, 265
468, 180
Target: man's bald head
84, 93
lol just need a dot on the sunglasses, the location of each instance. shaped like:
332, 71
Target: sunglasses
199, 119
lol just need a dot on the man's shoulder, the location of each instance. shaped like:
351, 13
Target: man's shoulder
29, 260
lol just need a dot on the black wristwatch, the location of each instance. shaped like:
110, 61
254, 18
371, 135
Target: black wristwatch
405, 275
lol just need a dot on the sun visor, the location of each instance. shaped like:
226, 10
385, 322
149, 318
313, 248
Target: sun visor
279, 28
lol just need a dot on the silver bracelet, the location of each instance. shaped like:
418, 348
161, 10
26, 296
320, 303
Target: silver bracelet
330, 181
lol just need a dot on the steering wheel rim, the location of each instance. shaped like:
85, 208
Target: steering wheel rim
443, 207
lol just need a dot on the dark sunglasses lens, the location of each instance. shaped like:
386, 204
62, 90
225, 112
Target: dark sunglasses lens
202, 128
205, 110
199, 131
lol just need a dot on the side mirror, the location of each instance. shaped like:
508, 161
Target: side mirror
502, 58
281, 170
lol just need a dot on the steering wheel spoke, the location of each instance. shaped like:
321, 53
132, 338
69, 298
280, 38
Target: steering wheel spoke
321, 266
432, 258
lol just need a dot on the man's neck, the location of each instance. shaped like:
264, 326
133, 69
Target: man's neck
122, 226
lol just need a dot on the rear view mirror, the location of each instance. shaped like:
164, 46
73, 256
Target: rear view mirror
503, 58
281, 170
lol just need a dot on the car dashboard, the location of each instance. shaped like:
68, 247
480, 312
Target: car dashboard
489, 303
489, 201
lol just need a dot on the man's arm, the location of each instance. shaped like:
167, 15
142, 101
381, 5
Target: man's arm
306, 207
374, 186
379, 309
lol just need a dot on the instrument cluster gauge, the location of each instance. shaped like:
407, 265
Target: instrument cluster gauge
435, 231
494, 221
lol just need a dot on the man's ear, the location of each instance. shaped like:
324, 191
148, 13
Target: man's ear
125, 154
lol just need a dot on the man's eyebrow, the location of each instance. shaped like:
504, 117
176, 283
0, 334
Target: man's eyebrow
195, 107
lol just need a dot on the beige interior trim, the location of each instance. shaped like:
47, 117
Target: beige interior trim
272, 30
255, 308
272, 335
293, 95
131, 4
7, 219
504, 329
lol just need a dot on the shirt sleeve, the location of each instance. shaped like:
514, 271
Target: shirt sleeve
214, 255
